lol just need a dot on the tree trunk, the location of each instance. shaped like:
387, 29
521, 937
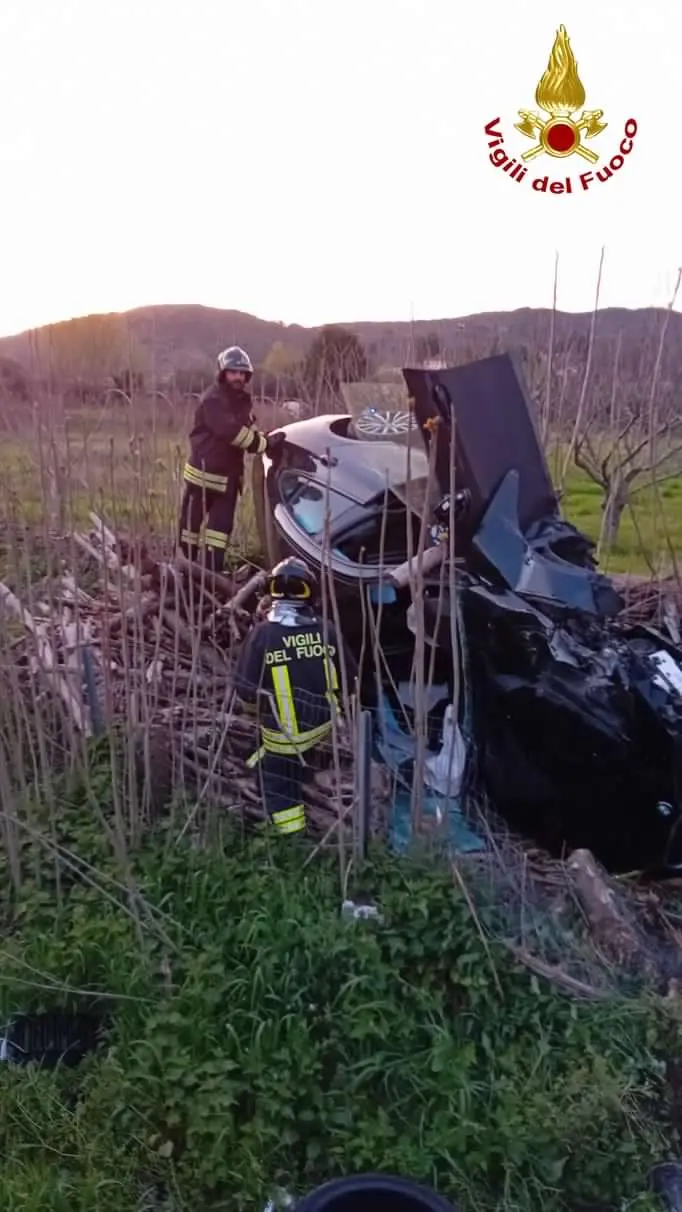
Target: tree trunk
613, 507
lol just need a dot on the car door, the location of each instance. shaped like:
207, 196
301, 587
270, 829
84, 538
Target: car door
308, 515
360, 541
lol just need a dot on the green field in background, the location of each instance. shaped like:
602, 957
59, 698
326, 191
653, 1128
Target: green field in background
136, 482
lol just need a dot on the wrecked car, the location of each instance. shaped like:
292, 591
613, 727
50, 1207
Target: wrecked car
568, 722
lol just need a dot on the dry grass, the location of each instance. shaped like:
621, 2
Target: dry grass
123, 460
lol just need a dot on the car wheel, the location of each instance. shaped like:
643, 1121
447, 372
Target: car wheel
374, 1193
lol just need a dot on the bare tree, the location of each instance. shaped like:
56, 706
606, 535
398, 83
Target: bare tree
643, 448
630, 463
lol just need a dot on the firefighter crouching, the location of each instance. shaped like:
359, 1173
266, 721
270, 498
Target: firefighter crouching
286, 669
224, 430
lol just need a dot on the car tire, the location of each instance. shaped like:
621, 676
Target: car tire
374, 1193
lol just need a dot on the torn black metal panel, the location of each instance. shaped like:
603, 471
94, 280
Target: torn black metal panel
52, 1038
537, 571
579, 744
561, 538
484, 407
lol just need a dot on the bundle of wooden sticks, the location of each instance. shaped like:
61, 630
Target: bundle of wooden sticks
127, 638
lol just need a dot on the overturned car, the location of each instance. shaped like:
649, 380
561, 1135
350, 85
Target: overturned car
569, 722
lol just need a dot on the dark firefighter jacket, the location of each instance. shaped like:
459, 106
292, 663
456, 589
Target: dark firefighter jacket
224, 431
294, 680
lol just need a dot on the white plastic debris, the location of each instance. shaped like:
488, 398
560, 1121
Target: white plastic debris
154, 671
669, 676
411, 618
351, 911
8, 1053
280, 1201
444, 771
671, 619
407, 693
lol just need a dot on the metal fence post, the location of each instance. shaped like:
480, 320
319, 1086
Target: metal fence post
96, 718
363, 783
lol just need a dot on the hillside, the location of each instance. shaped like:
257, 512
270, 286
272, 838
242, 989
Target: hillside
176, 336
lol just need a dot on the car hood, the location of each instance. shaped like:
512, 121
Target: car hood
480, 418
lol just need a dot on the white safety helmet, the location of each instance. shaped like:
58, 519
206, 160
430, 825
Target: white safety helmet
235, 358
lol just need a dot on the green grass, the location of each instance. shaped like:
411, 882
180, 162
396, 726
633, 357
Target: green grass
648, 530
136, 483
257, 1039
136, 487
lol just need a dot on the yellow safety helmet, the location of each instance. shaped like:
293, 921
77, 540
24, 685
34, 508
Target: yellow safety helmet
292, 580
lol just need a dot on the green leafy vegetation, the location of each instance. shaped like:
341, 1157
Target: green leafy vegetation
256, 1038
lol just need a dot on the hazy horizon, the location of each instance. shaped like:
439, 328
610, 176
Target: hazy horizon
307, 164
353, 321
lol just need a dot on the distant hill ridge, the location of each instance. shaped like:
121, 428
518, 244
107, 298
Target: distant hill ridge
183, 336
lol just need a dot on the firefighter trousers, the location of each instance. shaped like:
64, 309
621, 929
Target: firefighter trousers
282, 787
281, 778
216, 510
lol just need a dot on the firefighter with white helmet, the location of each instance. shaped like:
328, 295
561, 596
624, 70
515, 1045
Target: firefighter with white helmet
224, 431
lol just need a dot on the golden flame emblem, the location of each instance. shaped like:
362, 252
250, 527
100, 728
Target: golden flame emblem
560, 94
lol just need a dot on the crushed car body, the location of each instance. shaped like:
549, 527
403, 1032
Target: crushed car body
569, 722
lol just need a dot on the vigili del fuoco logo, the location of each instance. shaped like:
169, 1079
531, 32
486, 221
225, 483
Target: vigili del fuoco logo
559, 132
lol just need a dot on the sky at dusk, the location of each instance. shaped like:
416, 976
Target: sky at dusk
311, 162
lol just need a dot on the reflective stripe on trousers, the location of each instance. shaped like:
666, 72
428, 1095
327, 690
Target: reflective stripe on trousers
290, 820
217, 539
204, 479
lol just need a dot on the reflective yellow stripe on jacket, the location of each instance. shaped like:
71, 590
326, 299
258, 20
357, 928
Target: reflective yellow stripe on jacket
288, 739
284, 698
204, 479
331, 677
245, 437
277, 742
290, 734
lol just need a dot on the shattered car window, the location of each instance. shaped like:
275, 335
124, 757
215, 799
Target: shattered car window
381, 537
312, 505
361, 532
